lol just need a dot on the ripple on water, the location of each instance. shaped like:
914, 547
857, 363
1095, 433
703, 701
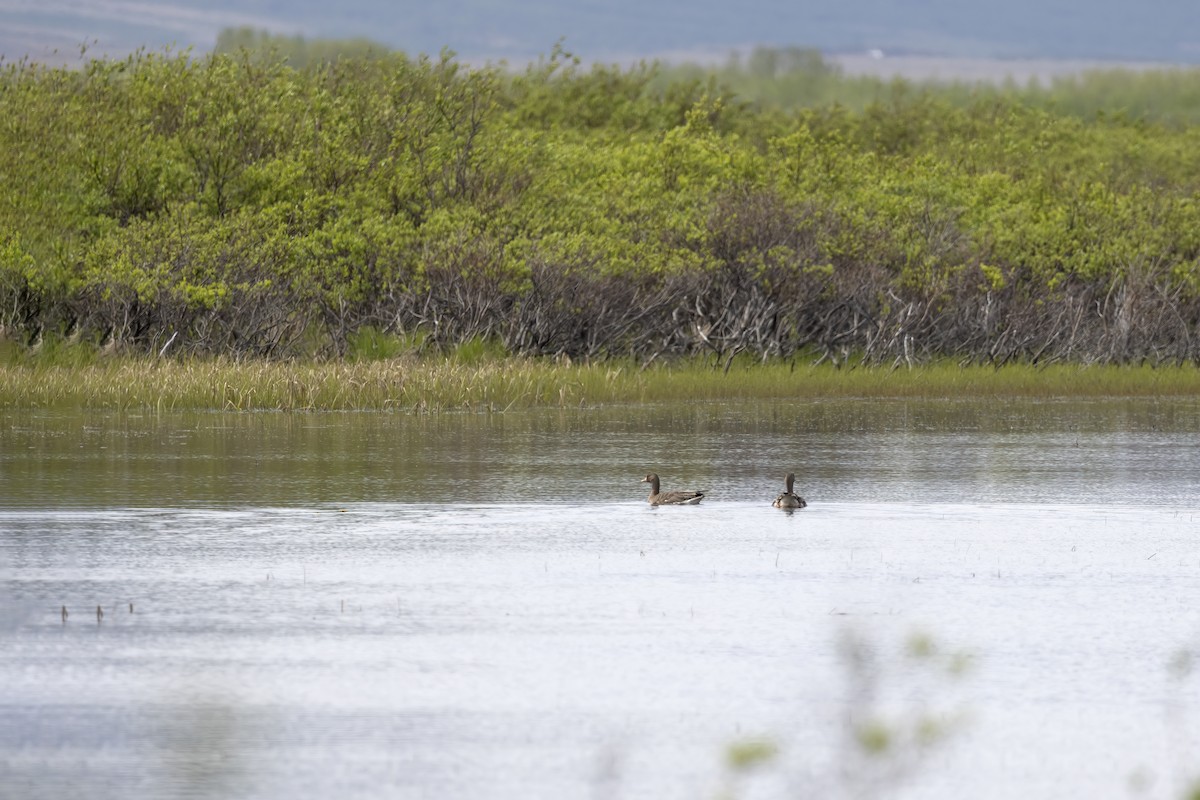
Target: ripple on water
489, 609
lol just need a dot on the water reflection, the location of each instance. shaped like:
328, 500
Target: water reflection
1115, 451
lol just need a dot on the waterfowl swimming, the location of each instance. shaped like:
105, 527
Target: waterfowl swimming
789, 499
658, 498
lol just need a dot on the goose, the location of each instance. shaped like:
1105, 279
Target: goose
789, 499
658, 498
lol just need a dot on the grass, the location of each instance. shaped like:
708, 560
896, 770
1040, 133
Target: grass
506, 383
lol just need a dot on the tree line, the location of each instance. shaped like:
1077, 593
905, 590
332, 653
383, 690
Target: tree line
234, 204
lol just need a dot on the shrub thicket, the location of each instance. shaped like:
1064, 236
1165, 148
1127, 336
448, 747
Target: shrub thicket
232, 204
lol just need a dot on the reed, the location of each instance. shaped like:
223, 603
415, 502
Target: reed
410, 385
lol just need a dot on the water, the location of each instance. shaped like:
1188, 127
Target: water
362, 606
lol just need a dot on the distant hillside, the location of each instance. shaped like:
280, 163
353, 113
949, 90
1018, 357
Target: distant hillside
518, 30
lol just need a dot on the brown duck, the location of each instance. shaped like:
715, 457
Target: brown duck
659, 498
789, 499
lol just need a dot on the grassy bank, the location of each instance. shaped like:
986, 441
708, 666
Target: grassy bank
435, 386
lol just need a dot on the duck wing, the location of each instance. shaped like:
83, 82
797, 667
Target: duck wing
677, 498
789, 500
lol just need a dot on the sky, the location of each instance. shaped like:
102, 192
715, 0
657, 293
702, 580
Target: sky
1151, 30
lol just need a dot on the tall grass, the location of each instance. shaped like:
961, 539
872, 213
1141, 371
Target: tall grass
503, 384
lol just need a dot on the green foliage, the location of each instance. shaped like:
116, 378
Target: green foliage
244, 198
750, 753
875, 738
56, 351
296, 51
368, 343
478, 351
793, 78
16, 273
557, 93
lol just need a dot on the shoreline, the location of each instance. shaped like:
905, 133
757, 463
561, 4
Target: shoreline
493, 386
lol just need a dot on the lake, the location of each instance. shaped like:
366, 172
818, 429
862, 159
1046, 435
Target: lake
983, 599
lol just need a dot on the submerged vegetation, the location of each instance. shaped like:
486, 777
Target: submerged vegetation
235, 207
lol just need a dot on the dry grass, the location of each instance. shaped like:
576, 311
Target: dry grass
429, 386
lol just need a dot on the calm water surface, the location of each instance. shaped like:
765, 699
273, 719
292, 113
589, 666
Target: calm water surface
378, 606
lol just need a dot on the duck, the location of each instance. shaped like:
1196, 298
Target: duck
789, 499
659, 498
